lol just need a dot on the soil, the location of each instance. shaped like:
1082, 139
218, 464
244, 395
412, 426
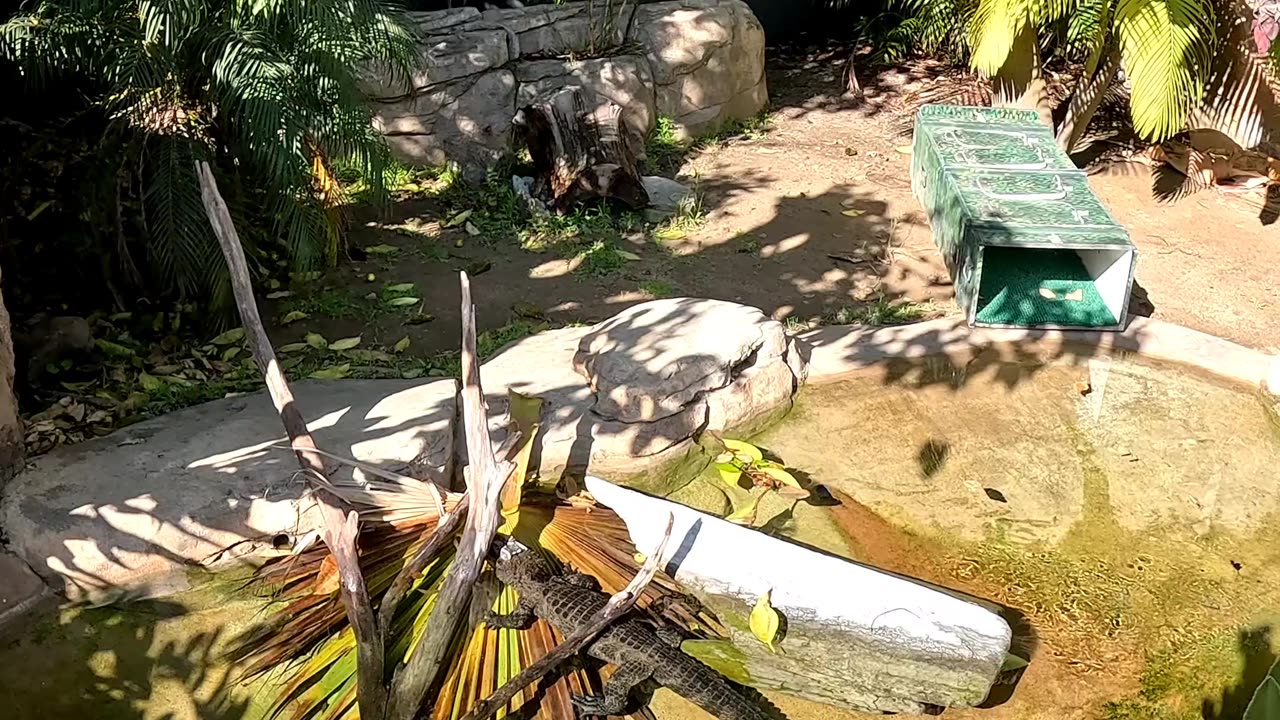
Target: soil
779, 234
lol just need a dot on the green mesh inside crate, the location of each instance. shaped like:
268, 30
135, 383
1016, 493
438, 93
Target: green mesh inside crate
1013, 280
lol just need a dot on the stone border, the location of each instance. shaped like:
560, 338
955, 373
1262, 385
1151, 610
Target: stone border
836, 352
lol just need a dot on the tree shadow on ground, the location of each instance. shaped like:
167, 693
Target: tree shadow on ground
1255, 647
121, 663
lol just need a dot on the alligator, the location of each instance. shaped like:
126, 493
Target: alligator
640, 651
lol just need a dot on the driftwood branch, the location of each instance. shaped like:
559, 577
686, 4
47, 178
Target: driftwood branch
441, 537
620, 604
340, 530
485, 478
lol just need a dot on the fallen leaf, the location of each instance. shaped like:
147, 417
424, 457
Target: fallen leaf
478, 266
293, 316
765, 622
402, 301
383, 249
628, 255
400, 288
316, 340
327, 581
419, 318
228, 337
166, 369
853, 213
230, 353
337, 372
113, 349
904, 149
345, 343
746, 515
150, 383
471, 229
294, 347
278, 294
458, 219
401, 345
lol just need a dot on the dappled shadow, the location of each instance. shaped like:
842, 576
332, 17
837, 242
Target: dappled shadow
153, 660
1255, 648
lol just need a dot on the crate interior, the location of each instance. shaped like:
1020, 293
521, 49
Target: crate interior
1022, 286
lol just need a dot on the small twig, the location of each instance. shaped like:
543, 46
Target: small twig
340, 530
620, 604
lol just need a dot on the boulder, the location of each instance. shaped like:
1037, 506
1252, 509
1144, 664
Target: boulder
707, 58
700, 62
665, 197
656, 358
130, 514
572, 438
467, 121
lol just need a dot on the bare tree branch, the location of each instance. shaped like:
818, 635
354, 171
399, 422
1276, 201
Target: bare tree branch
620, 604
339, 530
485, 478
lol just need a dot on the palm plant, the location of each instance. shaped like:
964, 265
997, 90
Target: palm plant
268, 91
311, 653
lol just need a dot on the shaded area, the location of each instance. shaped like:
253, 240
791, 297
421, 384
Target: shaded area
160, 660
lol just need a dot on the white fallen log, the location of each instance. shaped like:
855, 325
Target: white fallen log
855, 636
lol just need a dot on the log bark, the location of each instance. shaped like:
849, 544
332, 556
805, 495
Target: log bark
339, 529
581, 151
1086, 100
12, 449
620, 604
485, 476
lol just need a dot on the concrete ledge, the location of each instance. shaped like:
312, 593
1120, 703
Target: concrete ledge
839, 351
21, 590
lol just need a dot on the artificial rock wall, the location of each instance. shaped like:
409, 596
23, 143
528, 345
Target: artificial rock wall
698, 62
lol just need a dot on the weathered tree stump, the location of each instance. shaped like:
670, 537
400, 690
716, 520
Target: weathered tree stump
581, 151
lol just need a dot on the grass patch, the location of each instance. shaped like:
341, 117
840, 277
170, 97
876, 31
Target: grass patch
658, 288
330, 303
881, 311
665, 152
600, 259
689, 216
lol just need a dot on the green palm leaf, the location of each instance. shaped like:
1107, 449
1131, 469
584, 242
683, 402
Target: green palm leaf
1166, 48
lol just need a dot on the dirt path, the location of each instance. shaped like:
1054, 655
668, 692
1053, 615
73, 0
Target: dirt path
812, 218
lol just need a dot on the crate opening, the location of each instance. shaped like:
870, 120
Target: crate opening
1023, 286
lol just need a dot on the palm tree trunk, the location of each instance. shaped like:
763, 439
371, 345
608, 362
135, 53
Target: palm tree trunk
1086, 99
1020, 81
12, 451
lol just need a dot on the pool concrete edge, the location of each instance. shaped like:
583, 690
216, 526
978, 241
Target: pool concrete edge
840, 350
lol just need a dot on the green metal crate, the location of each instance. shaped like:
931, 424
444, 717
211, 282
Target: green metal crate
1027, 242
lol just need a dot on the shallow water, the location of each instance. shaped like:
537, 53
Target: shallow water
1127, 514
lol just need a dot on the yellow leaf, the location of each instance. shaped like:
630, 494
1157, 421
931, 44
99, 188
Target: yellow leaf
626, 255
150, 383
345, 343
402, 301
904, 149
853, 213
401, 345
293, 316
765, 622
524, 411
458, 219
316, 340
745, 515
781, 476
739, 447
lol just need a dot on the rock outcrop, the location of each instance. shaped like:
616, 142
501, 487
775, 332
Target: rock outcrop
698, 62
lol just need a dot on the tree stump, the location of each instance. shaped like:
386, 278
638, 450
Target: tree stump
581, 151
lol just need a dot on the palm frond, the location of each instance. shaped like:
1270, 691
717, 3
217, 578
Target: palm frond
1166, 49
994, 27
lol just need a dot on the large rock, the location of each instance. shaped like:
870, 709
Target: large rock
572, 438
130, 514
467, 121
656, 358
700, 62
544, 31
708, 61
